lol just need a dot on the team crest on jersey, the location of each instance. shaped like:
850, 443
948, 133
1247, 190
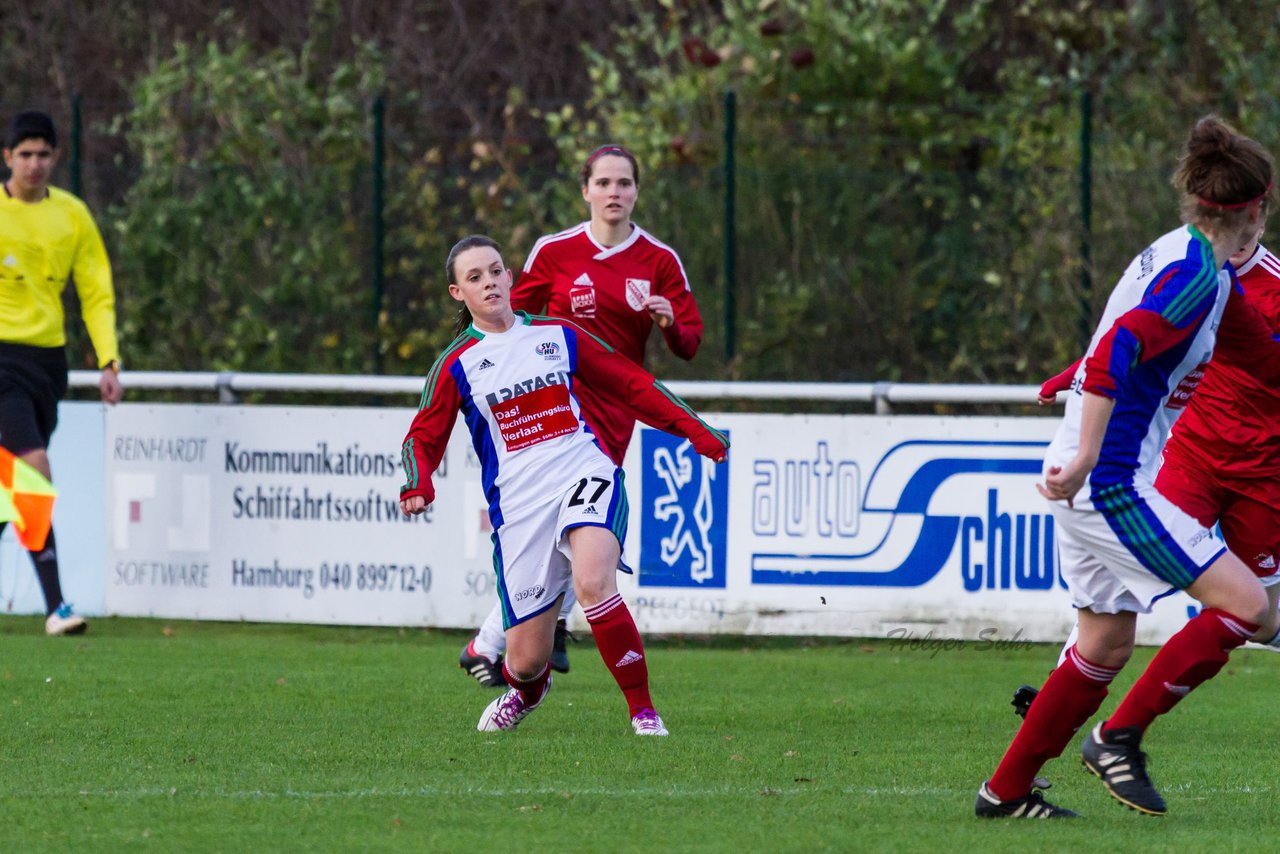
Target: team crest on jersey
637, 292
548, 350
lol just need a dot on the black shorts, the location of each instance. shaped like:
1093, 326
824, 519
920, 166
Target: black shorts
32, 381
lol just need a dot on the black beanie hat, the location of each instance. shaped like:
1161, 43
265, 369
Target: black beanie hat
31, 124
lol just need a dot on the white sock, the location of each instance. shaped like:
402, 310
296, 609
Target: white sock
566, 607
491, 640
1071, 641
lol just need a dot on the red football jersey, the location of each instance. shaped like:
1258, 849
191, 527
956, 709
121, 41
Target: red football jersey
1232, 426
603, 289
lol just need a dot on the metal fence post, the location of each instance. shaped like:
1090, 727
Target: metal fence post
226, 394
880, 394
379, 170
730, 223
1086, 217
77, 183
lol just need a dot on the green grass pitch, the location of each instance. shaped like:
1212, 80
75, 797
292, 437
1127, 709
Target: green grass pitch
149, 735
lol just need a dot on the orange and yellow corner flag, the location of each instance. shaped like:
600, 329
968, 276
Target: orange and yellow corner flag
26, 499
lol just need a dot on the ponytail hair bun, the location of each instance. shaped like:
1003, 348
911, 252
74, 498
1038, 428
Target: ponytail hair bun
1221, 173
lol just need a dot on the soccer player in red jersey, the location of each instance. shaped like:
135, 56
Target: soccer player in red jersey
557, 501
1222, 461
615, 280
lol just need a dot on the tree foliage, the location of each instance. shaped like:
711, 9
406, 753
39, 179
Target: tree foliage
909, 197
910, 203
239, 240
905, 201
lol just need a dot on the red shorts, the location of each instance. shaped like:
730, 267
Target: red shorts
1243, 507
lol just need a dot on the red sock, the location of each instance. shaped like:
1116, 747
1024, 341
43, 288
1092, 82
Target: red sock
531, 690
618, 640
1071, 694
1190, 657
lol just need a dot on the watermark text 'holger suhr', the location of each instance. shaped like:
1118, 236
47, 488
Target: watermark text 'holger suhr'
988, 640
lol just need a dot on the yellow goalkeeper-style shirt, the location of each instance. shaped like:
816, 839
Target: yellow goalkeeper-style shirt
41, 246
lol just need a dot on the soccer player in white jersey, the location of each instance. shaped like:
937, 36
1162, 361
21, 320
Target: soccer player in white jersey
1222, 461
618, 282
556, 500
1122, 544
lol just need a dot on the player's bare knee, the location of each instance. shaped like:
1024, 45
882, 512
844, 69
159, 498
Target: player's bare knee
524, 665
1261, 613
1246, 603
594, 588
1118, 656
1107, 652
589, 593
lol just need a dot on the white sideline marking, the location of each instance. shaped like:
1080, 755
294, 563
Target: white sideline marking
424, 792
678, 792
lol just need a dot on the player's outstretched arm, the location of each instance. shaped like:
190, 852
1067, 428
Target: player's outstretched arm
635, 389
1052, 386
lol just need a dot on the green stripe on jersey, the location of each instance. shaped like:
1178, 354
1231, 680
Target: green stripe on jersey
1180, 308
433, 375
410, 464
689, 411
561, 321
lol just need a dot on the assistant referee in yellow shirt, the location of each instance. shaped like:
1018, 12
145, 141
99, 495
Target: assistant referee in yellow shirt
47, 236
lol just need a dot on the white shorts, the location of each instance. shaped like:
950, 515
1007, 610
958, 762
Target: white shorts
1132, 547
531, 552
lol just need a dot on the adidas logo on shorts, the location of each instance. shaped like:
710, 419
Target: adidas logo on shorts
591, 511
